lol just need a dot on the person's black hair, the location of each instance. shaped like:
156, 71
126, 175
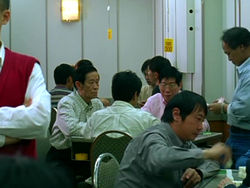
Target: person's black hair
157, 63
236, 36
82, 71
62, 73
83, 62
145, 65
22, 172
187, 102
171, 72
124, 86
4, 5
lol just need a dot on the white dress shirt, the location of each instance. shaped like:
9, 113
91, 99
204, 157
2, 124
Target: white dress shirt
121, 116
27, 122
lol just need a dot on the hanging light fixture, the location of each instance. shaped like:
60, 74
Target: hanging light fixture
70, 10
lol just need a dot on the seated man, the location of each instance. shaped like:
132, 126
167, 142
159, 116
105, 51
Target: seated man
146, 90
170, 84
155, 67
73, 112
122, 115
81, 62
164, 156
63, 75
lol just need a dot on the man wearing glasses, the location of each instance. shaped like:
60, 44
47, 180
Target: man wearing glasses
170, 84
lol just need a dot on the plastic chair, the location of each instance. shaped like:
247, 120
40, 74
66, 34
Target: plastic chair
113, 142
105, 171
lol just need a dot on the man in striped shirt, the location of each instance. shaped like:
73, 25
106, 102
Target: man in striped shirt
63, 75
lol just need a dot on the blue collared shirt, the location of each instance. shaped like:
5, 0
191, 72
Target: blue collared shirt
238, 113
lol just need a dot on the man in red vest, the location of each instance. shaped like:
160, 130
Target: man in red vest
24, 101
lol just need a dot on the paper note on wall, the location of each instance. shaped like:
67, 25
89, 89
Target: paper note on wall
168, 45
109, 34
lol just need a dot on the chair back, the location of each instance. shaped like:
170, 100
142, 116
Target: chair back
113, 142
105, 171
52, 119
43, 144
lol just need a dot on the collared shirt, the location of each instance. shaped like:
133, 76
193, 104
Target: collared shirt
57, 93
158, 158
27, 122
155, 105
121, 116
2, 55
238, 113
146, 92
72, 115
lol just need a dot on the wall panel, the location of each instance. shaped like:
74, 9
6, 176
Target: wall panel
96, 46
135, 34
28, 28
64, 42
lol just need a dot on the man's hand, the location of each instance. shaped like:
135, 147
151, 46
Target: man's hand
190, 178
226, 181
219, 152
215, 107
27, 102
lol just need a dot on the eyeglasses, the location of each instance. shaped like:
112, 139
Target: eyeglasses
170, 85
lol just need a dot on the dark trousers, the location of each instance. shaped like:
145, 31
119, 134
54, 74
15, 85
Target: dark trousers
239, 141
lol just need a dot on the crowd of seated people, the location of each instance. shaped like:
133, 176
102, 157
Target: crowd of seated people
163, 128
122, 114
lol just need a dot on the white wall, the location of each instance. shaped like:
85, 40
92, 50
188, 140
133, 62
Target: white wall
138, 34
173, 20
39, 31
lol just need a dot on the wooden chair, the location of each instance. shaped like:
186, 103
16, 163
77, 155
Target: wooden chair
105, 171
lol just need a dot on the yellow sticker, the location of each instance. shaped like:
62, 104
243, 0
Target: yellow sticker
81, 156
109, 34
169, 45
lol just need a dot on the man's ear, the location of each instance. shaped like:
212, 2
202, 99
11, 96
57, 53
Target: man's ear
69, 79
136, 94
78, 84
156, 75
5, 17
176, 114
242, 47
134, 99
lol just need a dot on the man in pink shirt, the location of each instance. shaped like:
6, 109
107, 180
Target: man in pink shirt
170, 84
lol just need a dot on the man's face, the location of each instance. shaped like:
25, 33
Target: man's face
147, 76
153, 77
169, 88
4, 16
70, 83
192, 125
234, 55
89, 89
